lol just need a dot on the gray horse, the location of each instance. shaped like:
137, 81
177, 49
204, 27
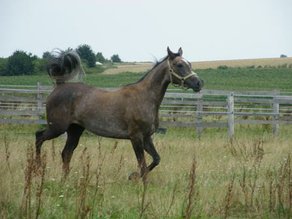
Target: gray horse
130, 112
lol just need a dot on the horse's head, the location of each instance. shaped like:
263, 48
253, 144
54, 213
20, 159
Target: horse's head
181, 72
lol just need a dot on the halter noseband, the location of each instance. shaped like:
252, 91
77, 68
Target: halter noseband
181, 78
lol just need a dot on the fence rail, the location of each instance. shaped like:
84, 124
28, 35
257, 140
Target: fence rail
209, 108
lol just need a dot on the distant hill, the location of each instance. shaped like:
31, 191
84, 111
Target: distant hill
264, 62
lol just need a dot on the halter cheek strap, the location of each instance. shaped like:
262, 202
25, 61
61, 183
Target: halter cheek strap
181, 78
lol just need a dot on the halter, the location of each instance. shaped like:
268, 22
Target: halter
181, 78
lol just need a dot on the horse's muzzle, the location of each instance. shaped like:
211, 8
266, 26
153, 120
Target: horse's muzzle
198, 86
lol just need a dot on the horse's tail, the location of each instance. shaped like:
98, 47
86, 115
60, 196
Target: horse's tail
64, 65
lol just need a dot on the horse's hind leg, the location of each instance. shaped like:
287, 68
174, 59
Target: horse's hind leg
42, 136
150, 149
73, 135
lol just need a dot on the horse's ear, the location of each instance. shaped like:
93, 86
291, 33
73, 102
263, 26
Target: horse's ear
180, 51
170, 53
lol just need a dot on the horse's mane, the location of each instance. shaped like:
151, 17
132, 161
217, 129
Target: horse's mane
156, 64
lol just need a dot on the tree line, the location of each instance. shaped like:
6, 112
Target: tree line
23, 63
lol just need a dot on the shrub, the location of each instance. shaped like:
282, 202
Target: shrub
222, 67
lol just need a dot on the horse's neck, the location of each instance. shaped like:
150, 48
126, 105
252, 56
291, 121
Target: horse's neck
157, 81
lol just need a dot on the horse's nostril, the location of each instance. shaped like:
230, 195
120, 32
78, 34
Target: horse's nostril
200, 83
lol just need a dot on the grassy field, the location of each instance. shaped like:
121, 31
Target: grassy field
206, 177
210, 177
248, 79
249, 74
225, 79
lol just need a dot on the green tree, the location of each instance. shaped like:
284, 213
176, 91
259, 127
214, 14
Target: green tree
20, 63
3, 63
40, 65
86, 54
116, 58
100, 58
47, 55
283, 56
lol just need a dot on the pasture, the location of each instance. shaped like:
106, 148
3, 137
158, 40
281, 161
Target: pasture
210, 177
239, 79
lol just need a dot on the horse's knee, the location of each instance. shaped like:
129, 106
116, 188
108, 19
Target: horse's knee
156, 160
38, 142
39, 136
39, 133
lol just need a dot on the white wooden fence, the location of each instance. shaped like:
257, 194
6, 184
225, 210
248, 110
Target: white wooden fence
209, 108
225, 109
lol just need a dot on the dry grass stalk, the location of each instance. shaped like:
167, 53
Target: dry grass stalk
7, 153
100, 159
243, 185
40, 186
144, 205
248, 185
280, 190
247, 152
98, 196
272, 191
258, 151
82, 208
172, 199
289, 173
283, 187
228, 197
191, 190
28, 174
33, 182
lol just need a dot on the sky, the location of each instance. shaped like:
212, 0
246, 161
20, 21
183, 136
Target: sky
141, 30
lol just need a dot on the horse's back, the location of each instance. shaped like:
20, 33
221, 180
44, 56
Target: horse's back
95, 109
119, 113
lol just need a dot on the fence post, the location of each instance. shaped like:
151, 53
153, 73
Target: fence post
230, 110
276, 112
199, 116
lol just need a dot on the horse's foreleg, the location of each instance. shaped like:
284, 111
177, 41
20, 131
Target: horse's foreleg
137, 144
73, 135
150, 149
38, 144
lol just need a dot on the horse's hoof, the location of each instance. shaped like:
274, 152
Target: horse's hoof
135, 176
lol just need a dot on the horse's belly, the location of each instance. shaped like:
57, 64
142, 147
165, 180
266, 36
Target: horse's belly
110, 133
107, 129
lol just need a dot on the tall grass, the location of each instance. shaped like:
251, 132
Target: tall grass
249, 177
